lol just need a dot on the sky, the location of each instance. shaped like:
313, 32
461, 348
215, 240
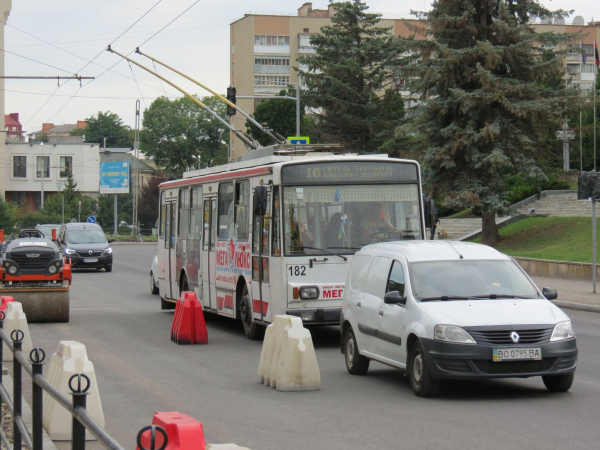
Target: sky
68, 34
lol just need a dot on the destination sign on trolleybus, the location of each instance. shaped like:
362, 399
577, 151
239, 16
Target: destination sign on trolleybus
349, 172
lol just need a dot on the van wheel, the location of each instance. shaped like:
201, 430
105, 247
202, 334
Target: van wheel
166, 305
423, 384
559, 383
355, 362
153, 286
252, 329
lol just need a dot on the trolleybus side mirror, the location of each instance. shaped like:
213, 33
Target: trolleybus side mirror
429, 206
260, 200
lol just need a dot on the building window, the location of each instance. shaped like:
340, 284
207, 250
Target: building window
271, 40
42, 166
304, 40
276, 61
19, 198
271, 80
66, 166
19, 166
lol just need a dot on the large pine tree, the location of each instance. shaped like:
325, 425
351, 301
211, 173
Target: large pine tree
353, 66
485, 78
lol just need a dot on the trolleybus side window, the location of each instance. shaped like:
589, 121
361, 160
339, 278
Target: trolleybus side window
163, 214
276, 223
242, 203
195, 231
184, 211
264, 233
170, 225
225, 222
206, 224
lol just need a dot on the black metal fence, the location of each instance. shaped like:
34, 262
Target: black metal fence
79, 385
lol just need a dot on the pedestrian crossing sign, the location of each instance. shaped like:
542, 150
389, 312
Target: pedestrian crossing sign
299, 140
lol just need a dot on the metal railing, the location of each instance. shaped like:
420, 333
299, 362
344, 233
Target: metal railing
82, 420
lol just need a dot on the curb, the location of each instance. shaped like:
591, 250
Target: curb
133, 243
577, 306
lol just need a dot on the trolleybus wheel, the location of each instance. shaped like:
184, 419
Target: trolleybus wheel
252, 329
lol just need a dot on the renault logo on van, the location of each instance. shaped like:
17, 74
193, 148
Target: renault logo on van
515, 337
90, 252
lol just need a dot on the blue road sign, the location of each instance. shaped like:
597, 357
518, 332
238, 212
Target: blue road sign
114, 177
299, 140
91, 219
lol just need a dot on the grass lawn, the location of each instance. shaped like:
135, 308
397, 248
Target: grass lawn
128, 238
464, 214
557, 238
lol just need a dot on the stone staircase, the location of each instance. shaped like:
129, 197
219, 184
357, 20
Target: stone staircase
555, 204
457, 228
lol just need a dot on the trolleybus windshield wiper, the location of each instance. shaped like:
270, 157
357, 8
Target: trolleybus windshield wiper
321, 249
347, 248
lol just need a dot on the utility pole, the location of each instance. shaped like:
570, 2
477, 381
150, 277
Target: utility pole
136, 169
115, 216
59, 187
298, 104
43, 173
105, 143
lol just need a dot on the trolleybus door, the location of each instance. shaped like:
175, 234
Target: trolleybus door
209, 260
261, 245
170, 254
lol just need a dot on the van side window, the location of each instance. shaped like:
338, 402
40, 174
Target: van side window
377, 277
242, 203
396, 279
360, 269
225, 220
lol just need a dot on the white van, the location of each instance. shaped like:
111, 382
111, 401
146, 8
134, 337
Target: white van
448, 310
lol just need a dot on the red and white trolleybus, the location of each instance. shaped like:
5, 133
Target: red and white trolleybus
276, 231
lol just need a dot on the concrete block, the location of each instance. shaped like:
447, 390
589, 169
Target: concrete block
70, 359
288, 361
16, 320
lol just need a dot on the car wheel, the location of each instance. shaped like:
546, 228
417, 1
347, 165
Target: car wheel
421, 381
559, 383
355, 362
153, 286
166, 305
108, 268
252, 329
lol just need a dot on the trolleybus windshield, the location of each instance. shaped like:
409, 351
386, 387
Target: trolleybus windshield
340, 207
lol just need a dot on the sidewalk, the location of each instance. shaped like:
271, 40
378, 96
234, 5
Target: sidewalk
572, 291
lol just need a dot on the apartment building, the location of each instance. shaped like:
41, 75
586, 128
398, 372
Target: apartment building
34, 168
264, 50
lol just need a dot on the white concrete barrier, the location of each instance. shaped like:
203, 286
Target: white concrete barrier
16, 320
70, 359
225, 447
288, 361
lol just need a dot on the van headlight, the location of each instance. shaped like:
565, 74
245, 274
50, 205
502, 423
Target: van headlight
107, 251
562, 331
309, 292
70, 251
452, 333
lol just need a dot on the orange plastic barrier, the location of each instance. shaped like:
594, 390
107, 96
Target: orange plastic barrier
5, 301
183, 431
188, 325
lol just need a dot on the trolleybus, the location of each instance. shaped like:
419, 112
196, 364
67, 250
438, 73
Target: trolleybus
276, 231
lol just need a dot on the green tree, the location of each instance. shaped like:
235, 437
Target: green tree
484, 77
106, 208
106, 125
588, 131
6, 214
148, 204
355, 62
280, 116
178, 132
72, 198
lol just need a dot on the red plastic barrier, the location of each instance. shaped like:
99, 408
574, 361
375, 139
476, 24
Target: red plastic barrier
183, 431
1, 236
54, 234
188, 325
5, 301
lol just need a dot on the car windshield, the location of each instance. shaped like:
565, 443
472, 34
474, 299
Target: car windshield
464, 279
86, 237
47, 229
344, 218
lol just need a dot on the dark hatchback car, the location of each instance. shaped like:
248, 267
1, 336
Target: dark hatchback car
86, 245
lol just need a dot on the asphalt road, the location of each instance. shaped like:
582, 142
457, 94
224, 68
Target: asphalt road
141, 371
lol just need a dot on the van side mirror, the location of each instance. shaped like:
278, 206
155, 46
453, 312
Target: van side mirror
549, 293
394, 298
260, 201
110, 240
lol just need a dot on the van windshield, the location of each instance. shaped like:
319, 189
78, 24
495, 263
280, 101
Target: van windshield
86, 237
464, 279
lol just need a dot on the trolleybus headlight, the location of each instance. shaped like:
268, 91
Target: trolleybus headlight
309, 293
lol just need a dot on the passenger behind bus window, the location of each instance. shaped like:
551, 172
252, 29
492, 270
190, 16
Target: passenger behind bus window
334, 235
306, 235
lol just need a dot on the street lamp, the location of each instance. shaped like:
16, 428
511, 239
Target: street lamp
59, 187
228, 159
